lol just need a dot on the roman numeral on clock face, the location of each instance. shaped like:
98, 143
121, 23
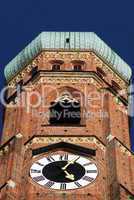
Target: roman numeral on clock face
63, 186
61, 157
77, 184
50, 159
35, 171
91, 171
64, 157
87, 178
38, 163
49, 184
38, 178
86, 164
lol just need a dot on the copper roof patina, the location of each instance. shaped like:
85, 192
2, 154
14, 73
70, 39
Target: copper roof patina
79, 41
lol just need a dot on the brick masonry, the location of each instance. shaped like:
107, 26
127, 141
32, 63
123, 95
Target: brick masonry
109, 135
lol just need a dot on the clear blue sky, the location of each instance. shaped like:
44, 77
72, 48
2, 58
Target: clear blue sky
21, 21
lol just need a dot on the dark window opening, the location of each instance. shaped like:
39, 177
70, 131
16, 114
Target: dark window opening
100, 72
115, 86
19, 86
65, 111
77, 68
34, 71
56, 67
78, 65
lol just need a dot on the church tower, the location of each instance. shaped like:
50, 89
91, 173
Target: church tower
66, 122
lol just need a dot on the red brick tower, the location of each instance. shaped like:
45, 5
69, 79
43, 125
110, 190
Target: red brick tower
66, 127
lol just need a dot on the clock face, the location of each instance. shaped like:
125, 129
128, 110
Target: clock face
63, 171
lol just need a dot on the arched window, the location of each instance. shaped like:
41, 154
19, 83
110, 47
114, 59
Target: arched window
56, 65
78, 65
65, 110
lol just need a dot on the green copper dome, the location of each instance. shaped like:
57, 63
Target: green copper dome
76, 41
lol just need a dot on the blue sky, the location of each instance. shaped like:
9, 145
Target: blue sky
21, 21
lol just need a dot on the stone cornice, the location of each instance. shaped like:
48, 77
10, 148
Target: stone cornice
90, 77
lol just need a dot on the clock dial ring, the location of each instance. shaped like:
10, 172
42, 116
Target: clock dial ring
64, 172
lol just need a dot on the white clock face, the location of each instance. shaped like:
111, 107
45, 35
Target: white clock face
63, 171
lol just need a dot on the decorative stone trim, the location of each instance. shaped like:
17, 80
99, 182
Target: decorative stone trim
70, 79
110, 137
68, 55
1, 153
6, 149
74, 140
123, 149
117, 100
19, 135
11, 184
